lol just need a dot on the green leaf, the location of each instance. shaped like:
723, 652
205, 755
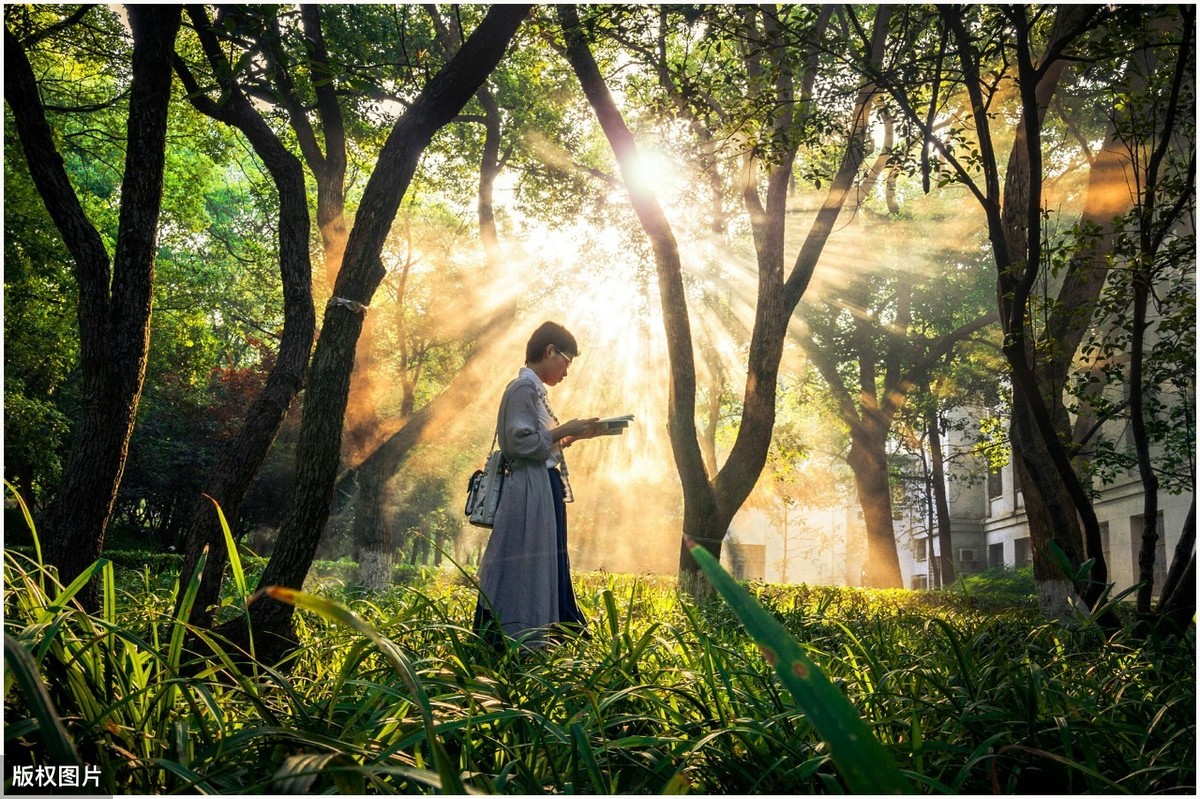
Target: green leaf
588, 758
74, 588
37, 545
299, 773
451, 780
863, 762
175, 648
58, 744
235, 560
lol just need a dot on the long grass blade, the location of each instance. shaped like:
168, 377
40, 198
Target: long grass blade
175, 648
588, 758
68, 593
863, 762
58, 744
451, 781
235, 560
37, 544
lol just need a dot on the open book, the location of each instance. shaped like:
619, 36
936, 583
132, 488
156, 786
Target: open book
614, 425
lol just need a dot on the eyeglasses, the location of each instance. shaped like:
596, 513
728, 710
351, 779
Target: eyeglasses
565, 357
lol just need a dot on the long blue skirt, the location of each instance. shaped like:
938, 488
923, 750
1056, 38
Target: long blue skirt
570, 616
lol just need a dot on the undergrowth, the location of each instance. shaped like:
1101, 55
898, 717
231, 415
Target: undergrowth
665, 696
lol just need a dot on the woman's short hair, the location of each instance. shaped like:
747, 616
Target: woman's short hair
553, 334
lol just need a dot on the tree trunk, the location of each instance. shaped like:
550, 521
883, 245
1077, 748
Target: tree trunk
319, 445
1051, 516
1141, 440
868, 460
242, 456
681, 417
374, 545
114, 320
1154, 226
940, 500
1177, 605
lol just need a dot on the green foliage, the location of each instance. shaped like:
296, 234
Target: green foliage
857, 754
393, 693
997, 587
40, 381
1100, 389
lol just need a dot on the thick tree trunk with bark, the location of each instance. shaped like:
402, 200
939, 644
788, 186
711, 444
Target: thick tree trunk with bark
1049, 495
319, 445
868, 460
242, 457
1050, 513
1108, 198
1013, 219
114, 307
374, 545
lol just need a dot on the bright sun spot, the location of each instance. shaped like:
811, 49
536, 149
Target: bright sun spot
653, 171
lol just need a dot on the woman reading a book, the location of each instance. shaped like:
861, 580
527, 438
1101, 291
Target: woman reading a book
525, 577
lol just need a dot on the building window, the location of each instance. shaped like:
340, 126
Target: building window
920, 581
1024, 555
1106, 545
921, 546
1016, 478
1160, 551
995, 484
995, 555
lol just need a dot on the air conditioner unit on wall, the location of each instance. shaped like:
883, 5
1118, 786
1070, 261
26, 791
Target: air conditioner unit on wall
966, 555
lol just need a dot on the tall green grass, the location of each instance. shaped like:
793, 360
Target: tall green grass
393, 693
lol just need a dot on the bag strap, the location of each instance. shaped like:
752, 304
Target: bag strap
502, 415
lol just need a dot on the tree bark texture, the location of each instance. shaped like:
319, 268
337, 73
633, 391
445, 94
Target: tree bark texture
114, 299
374, 544
1109, 196
241, 458
868, 460
319, 445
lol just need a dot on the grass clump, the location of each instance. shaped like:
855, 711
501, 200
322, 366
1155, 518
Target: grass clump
665, 696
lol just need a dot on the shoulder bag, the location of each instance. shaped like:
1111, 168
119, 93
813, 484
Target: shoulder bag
484, 487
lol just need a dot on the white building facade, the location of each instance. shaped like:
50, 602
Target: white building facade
1003, 538
988, 529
